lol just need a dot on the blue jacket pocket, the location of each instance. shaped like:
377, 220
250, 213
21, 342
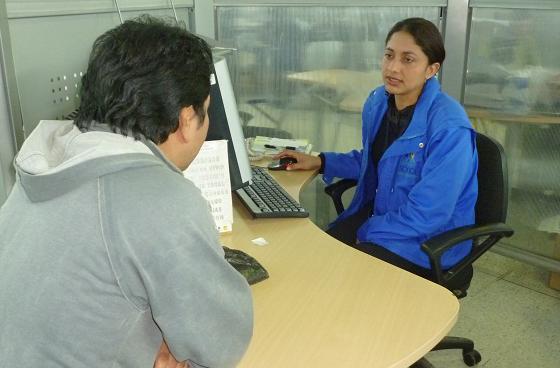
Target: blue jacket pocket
408, 174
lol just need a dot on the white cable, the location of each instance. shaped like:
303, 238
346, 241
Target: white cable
174, 12
118, 10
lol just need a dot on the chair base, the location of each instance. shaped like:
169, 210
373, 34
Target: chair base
471, 357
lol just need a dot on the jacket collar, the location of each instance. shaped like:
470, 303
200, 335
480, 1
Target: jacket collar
418, 124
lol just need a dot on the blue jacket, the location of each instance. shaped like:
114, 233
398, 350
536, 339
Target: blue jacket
425, 182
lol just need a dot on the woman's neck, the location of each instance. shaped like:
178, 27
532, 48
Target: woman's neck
409, 99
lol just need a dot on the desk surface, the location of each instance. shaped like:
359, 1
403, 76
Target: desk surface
328, 305
354, 86
475, 112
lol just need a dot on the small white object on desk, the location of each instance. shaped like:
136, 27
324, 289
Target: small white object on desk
259, 241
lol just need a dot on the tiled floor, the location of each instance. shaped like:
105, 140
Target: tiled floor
512, 316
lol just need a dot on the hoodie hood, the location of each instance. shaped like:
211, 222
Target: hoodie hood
57, 157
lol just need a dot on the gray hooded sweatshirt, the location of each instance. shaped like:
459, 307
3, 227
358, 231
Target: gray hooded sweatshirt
105, 248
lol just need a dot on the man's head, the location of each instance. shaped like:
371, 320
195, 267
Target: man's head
145, 77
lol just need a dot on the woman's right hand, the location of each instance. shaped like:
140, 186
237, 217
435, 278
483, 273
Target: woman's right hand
304, 161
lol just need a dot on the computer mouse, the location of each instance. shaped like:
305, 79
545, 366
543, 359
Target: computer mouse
282, 163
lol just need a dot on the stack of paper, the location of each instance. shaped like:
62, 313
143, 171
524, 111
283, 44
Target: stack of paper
272, 146
210, 173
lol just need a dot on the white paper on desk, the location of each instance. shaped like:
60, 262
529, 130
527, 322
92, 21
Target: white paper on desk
279, 142
210, 173
265, 145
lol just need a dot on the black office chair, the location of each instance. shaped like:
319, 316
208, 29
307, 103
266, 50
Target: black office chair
489, 228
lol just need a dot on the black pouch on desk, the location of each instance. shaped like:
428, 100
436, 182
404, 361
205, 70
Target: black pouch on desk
246, 265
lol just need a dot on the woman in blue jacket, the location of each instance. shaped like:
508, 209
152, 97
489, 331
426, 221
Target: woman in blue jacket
417, 169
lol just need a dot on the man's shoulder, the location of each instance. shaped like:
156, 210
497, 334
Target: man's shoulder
155, 202
154, 187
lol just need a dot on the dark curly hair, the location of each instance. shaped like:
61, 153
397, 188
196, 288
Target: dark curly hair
425, 34
140, 75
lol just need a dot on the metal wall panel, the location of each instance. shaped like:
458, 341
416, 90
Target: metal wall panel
456, 33
9, 108
50, 55
34, 8
7, 147
204, 20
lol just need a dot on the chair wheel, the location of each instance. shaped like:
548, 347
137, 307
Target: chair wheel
472, 358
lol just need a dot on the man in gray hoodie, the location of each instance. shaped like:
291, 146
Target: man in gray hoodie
108, 255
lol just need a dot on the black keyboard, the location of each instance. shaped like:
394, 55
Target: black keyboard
265, 198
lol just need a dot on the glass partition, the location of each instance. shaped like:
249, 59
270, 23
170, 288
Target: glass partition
305, 72
513, 94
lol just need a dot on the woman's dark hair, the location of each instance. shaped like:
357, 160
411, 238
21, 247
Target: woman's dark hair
140, 75
425, 34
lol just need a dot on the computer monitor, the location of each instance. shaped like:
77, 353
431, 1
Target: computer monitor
226, 124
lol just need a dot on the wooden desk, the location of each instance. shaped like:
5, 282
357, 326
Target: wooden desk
328, 305
354, 86
345, 91
486, 114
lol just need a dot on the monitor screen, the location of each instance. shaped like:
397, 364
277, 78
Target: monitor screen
226, 124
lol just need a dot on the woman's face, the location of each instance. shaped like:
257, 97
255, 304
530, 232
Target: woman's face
405, 68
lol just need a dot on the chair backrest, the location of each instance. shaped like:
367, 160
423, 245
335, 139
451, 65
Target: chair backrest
492, 203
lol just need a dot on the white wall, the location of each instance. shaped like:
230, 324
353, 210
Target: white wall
7, 149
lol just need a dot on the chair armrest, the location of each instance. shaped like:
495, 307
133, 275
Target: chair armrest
336, 190
436, 246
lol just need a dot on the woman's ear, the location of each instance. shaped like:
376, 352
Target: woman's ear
432, 70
